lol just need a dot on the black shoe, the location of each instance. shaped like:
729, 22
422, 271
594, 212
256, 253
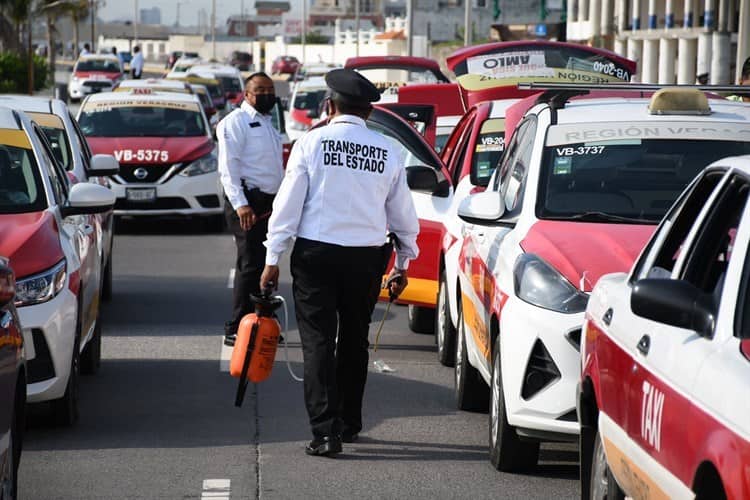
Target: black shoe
349, 437
325, 446
229, 339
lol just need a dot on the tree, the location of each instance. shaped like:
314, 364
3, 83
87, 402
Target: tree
13, 15
78, 10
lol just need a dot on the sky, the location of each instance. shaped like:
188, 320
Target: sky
114, 10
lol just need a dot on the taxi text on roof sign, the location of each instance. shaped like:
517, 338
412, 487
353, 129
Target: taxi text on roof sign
127, 103
576, 132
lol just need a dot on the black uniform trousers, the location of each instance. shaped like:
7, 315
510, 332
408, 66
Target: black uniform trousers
251, 254
335, 290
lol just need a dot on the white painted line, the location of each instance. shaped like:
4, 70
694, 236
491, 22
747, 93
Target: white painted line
226, 355
230, 281
215, 489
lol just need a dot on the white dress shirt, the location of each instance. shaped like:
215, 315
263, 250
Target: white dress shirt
249, 152
136, 63
345, 185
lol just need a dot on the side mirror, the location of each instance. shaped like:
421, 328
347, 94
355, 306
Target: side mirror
675, 303
104, 165
7, 285
422, 178
86, 198
481, 207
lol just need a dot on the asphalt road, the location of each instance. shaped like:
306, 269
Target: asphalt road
158, 420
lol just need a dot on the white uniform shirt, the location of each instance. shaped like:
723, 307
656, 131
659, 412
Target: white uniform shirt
345, 185
249, 152
136, 63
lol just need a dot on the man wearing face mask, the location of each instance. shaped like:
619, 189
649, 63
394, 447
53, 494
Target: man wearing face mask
251, 169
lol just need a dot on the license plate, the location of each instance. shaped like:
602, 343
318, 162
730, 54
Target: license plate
141, 194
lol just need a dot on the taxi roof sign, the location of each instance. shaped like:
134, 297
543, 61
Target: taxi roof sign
679, 101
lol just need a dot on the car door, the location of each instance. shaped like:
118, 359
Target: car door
430, 206
11, 342
668, 359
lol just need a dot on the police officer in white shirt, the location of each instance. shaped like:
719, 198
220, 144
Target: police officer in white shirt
136, 64
251, 169
344, 189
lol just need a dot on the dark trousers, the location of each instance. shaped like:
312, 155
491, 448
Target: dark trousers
335, 290
251, 257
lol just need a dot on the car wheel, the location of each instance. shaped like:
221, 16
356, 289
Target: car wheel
603, 485
470, 390
107, 281
92, 353
445, 332
508, 453
421, 319
65, 409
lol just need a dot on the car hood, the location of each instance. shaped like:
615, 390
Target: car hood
97, 75
30, 242
585, 251
178, 149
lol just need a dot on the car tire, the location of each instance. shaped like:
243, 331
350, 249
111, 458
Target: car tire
92, 354
65, 409
603, 485
470, 390
508, 452
445, 332
421, 319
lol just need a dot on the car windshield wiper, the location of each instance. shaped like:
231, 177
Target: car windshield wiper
605, 217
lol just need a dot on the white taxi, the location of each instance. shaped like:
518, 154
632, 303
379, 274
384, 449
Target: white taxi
666, 353
167, 156
579, 191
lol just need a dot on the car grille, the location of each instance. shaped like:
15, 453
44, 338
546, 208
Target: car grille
541, 371
40, 368
208, 201
153, 172
168, 203
98, 84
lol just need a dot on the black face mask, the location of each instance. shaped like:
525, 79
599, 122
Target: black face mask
264, 103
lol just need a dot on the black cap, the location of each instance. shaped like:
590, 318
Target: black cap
352, 87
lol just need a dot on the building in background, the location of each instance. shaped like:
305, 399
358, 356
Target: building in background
150, 16
672, 42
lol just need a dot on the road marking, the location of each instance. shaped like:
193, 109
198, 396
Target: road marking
226, 355
215, 489
230, 281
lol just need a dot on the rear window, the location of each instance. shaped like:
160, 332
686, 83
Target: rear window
21, 188
98, 65
231, 84
142, 120
309, 100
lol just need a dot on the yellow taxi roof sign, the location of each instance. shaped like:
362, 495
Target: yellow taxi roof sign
676, 101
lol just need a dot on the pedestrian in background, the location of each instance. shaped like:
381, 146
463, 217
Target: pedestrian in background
86, 50
344, 189
119, 59
251, 169
744, 80
136, 64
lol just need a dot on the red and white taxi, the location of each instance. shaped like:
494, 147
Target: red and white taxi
666, 350
167, 155
92, 74
49, 242
578, 193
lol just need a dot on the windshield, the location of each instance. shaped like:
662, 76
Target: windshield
308, 100
20, 185
385, 78
488, 149
98, 65
54, 129
624, 180
214, 90
143, 121
231, 84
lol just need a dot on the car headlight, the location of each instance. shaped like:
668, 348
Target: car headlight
41, 287
537, 283
295, 125
201, 166
74, 79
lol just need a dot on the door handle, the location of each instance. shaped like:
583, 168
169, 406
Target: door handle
644, 345
607, 318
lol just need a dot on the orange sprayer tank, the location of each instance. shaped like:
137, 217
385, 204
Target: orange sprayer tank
258, 337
